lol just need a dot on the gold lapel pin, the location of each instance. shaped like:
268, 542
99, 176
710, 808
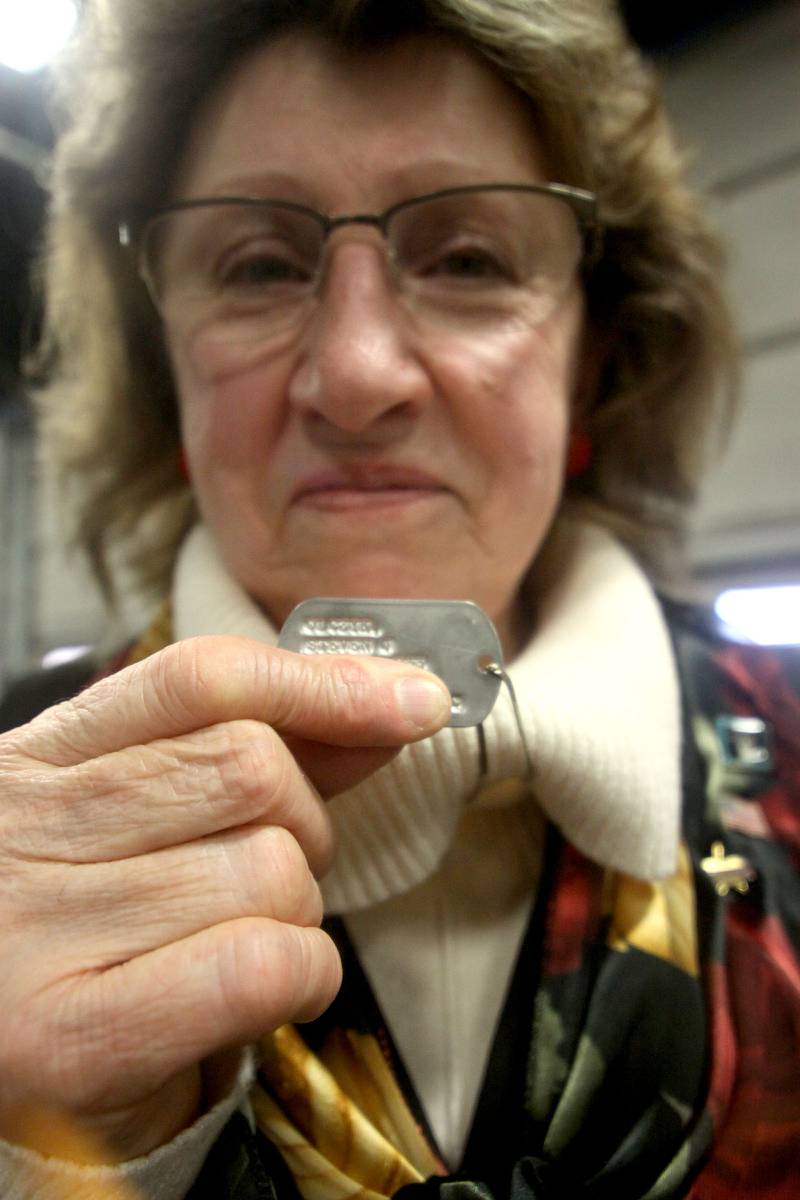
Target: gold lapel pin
728, 870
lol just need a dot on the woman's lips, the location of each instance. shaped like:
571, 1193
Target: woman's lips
365, 486
342, 498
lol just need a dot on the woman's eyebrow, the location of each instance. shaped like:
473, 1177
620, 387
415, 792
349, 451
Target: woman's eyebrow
265, 184
398, 183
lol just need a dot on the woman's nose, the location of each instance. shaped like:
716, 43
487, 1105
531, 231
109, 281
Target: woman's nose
358, 365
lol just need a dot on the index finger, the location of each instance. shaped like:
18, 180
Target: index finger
341, 701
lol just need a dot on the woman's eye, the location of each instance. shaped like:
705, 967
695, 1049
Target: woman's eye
262, 270
470, 263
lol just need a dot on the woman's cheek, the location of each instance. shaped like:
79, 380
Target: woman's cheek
230, 417
519, 403
217, 356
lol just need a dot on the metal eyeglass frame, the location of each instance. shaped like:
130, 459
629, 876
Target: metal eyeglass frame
131, 232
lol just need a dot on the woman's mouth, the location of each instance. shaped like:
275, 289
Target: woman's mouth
365, 486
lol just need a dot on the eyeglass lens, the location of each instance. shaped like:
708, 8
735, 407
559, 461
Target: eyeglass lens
247, 270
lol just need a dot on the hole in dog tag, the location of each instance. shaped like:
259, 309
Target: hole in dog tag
451, 638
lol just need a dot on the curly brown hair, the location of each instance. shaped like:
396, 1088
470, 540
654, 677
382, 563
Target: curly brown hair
126, 94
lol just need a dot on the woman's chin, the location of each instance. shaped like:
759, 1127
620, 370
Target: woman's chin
394, 577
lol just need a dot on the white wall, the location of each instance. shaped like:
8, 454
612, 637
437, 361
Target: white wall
736, 99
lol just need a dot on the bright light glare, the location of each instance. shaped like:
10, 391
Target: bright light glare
33, 31
769, 616
61, 655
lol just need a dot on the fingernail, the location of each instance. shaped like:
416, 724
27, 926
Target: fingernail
422, 701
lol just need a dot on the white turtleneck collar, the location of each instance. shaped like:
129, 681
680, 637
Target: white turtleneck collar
598, 694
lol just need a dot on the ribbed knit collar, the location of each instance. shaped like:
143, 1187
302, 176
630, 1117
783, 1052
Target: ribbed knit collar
598, 694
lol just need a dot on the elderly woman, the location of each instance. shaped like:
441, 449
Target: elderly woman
377, 299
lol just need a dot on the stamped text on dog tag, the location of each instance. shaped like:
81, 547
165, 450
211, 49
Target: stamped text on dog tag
454, 639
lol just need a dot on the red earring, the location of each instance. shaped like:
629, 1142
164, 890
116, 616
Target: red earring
183, 465
579, 453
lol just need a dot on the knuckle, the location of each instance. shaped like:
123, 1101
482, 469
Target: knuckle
177, 680
344, 692
58, 729
249, 763
282, 677
350, 687
325, 692
281, 973
317, 972
197, 676
282, 876
12, 752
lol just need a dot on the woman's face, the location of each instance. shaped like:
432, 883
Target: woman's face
368, 453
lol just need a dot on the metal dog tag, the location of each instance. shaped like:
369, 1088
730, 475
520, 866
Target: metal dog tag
452, 638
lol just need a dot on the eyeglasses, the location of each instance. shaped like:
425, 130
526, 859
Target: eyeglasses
248, 269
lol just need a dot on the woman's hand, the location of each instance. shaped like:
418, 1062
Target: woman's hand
159, 841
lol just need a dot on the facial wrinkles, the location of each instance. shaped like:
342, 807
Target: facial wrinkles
391, 143
490, 409
214, 364
210, 362
389, 154
516, 358
496, 371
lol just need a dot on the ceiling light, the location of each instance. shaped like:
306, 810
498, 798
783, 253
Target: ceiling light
769, 616
32, 32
